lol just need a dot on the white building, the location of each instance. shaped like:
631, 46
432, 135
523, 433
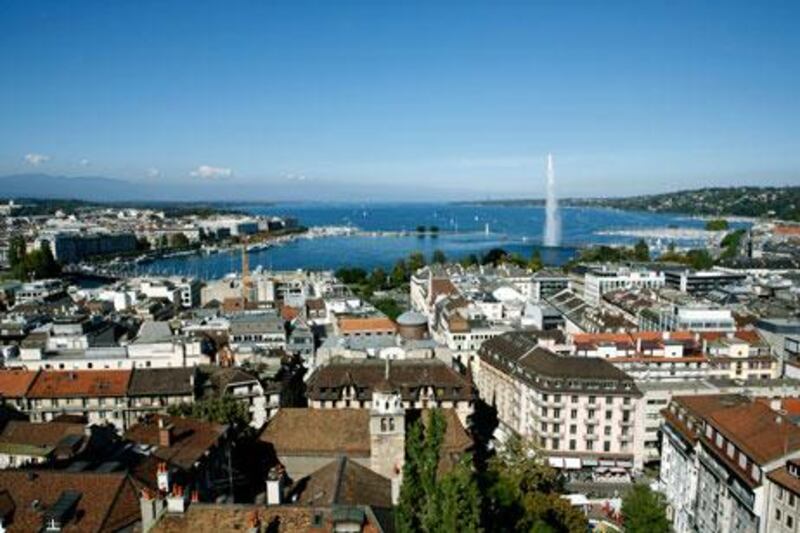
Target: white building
604, 279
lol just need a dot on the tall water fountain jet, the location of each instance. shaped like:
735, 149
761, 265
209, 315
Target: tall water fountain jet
552, 224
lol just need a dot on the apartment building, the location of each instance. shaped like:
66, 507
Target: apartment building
682, 355
720, 454
99, 396
580, 411
601, 279
421, 383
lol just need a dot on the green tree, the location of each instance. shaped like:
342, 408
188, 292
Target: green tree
223, 409
388, 307
407, 515
536, 262
420, 491
516, 259
352, 276
469, 260
644, 511
717, 224
438, 257
458, 501
16, 251
699, 259
494, 256
641, 252
377, 278
179, 240
400, 273
523, 493
416, 260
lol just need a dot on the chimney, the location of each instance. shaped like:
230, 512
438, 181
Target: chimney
151, 508
275, 478
165, 433
253, 523
176, 501
162, 477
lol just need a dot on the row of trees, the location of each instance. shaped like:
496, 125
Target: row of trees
429, 501
36, 264
366, 283
515, 491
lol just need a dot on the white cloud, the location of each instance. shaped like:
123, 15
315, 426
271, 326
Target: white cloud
295, 177
209, 172
36, 159
84, 162
153, 172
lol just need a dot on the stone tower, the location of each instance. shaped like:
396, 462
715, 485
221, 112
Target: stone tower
387, 432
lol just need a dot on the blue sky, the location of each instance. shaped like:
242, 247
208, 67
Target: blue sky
454, 99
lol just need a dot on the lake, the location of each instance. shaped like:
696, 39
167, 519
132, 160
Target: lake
463, 231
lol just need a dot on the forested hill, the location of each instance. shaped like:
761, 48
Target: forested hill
778, 202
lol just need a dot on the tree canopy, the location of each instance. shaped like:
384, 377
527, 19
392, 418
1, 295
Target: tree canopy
644, 511
429, 501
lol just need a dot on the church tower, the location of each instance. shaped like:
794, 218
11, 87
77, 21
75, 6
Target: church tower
387, 432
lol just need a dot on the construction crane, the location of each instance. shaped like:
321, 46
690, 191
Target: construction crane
246, 281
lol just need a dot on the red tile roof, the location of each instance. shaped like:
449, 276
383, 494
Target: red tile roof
289, 313
373, 324
15, 383
441, 286
80, 383
108, 502
763, 434
192, 438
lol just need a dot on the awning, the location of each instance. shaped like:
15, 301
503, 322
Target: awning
606, 462
572, 463
556, 462
625, 464
590, 462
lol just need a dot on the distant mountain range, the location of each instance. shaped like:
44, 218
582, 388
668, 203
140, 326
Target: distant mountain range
777, 202
93, 189
233, 190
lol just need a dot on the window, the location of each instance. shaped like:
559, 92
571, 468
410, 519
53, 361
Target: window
606, 446
592, 399
573, 429
608, 415
591, 413
589, 445
607, 430
791, 499
556, 444
573, 414
574, 399
572, 445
